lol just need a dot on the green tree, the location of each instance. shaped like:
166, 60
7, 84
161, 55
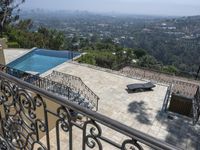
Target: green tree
6, 12
88, 59
103, 59
25, 25
148, 61
56, 40
140, 53
170, 69
53, 39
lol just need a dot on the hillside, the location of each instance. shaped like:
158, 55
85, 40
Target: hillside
171, 40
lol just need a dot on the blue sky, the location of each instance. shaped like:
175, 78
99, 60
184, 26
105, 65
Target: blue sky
150, 7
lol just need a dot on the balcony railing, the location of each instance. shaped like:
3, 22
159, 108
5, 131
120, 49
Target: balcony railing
34, 118
76, 84
64, 90
196, 106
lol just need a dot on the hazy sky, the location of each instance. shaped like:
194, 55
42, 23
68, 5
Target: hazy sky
151, 7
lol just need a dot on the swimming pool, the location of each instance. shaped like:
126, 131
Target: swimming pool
41, 60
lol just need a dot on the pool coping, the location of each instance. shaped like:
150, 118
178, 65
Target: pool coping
69, 61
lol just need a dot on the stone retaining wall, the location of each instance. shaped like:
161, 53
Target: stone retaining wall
3, 42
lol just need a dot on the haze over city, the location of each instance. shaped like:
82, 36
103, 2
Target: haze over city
142, 7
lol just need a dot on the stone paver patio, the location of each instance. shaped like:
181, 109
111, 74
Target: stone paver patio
14, 53
140, 111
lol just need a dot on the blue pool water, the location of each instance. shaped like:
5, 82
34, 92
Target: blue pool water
41, 60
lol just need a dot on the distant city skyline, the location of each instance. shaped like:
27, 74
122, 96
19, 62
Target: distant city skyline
140, 7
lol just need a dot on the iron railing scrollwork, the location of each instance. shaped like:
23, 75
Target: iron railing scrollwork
34, 118
4, 144
76, 84
79, 93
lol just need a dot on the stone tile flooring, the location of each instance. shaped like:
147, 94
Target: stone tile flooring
140, 111
14, 53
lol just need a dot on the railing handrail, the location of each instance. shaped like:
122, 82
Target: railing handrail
113, 124
31, 75
166, 99
196, 106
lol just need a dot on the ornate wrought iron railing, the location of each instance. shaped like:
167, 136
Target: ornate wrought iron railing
33, 118
196, 106
76, 84
51, 86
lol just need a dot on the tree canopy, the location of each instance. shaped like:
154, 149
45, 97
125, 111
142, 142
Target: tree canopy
9, 10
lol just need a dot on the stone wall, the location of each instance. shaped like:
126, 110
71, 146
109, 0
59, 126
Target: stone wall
3, 42
2, 57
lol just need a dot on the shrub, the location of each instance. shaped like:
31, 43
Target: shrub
87, 58
170, 69
13, 45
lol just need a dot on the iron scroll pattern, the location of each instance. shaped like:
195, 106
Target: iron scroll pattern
77, 85
196, 106
21, 127
70, 87
25, 123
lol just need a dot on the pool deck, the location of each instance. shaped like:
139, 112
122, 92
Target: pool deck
14, 53
140, 111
